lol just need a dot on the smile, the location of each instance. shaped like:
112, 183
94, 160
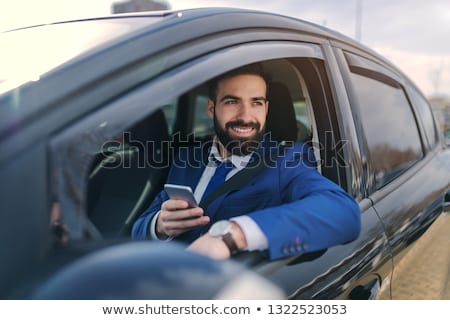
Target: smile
242, 130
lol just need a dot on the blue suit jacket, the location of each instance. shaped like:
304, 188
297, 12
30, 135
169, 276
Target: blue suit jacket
297, 209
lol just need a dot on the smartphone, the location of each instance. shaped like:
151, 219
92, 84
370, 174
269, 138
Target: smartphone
179, 192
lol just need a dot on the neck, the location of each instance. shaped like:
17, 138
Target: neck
224, 153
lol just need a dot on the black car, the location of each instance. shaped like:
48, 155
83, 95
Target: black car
92, 111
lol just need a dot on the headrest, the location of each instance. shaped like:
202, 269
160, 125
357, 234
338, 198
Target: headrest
281, 120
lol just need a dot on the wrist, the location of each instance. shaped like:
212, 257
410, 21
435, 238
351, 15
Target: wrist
238, 236
231, 235
157, 233
161, 235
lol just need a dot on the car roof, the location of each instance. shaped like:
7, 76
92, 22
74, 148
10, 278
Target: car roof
253, 18
200, 22
227, 19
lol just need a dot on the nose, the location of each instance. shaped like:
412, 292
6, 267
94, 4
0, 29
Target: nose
245, 111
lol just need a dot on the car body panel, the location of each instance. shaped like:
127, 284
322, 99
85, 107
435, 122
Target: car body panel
318, 276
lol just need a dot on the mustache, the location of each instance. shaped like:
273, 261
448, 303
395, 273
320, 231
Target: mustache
242, 123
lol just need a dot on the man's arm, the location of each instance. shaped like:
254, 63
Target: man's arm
316, 213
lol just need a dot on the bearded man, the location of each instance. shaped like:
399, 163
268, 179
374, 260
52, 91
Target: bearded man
287, 209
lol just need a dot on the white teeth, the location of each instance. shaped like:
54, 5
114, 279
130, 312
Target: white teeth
240, 130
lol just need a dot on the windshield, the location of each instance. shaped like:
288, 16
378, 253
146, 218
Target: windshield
29, 53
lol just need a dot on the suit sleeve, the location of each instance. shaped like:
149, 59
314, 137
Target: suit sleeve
316, 213
141, 225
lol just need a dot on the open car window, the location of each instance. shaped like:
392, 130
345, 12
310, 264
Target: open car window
118, 158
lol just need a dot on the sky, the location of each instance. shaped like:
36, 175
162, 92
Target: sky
413, 34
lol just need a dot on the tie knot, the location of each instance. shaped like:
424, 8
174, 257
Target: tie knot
223, 169
225, 165
219, 176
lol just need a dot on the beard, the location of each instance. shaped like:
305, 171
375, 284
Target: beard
239, 146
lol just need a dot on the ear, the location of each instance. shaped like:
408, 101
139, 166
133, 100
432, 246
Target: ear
210, 108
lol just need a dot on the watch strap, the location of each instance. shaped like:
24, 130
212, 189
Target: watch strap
227, 238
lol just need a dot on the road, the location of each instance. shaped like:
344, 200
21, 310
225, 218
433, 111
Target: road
424, 272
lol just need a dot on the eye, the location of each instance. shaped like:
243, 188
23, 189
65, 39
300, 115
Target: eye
230, 101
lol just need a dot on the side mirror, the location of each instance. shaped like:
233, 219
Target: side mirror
447, 202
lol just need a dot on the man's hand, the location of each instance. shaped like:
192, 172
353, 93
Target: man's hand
210, 246
215, 247
176, 218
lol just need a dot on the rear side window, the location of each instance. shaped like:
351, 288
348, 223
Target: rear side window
426, 117
387, 120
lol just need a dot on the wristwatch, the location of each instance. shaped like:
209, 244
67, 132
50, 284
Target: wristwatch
222, 229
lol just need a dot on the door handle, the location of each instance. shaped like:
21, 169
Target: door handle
446, 206
368, 291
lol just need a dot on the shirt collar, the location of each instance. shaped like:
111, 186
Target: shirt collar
239, 162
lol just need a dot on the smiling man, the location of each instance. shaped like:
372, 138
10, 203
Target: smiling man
288, 208
239, 108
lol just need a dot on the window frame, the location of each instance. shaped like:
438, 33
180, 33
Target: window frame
367, 66
133, 106
412, 91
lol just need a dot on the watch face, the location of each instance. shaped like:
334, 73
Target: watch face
220, 228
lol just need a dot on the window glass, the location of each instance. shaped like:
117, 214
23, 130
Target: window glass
170, 112
29, 53
389, 125
426, 117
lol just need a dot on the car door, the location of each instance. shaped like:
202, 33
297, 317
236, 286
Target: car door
406, 176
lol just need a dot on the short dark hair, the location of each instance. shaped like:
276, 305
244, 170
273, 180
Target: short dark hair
250, 69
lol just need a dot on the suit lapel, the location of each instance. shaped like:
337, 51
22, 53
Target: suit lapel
214, 206
197, 162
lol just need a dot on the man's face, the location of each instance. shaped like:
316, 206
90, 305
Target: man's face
240, 112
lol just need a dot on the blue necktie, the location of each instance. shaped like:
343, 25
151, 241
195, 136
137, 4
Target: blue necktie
218, 178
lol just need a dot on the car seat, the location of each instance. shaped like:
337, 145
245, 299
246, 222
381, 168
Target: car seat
281, 120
